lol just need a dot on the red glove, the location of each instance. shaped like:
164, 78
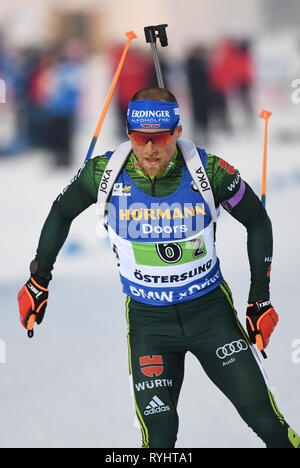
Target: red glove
261, 319
33, 299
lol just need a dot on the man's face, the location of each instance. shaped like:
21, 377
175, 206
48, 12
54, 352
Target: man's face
154, 159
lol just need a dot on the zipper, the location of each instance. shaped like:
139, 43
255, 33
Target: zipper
152, 186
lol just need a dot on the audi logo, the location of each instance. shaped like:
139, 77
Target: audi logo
231, 348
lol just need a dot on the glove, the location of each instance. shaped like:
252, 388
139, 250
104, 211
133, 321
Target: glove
32, 300
261, 319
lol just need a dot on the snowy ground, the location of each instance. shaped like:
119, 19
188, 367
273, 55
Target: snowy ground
68, 387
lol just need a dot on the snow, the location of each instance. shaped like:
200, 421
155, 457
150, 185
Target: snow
68, 386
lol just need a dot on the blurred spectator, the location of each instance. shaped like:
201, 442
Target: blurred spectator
200, 91
61, 85
45, 89
15, 67
231, 75
36, 92
223, 80
137, 73
244, 71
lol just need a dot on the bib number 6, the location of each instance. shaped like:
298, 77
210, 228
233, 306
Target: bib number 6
172, 253
169, 253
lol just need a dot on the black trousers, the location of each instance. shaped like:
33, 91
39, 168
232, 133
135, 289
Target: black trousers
159, 338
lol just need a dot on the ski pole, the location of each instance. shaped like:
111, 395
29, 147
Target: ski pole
130, 35
264, 115
151, 33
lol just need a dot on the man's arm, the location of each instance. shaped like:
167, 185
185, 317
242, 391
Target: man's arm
238, 198
250, 212
75, 198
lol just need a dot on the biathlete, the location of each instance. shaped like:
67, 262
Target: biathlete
161, 210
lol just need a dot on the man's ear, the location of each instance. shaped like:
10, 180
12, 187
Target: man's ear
179, 131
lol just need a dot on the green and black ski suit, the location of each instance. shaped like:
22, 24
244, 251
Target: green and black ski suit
159, 336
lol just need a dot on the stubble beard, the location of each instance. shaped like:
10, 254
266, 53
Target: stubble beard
156, 169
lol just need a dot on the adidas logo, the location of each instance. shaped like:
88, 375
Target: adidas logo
156, 406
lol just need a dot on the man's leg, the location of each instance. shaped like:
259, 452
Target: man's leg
157, 379
156, 365
232, 364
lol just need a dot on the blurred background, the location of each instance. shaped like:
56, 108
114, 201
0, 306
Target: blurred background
225, 62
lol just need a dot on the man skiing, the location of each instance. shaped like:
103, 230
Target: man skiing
160, 197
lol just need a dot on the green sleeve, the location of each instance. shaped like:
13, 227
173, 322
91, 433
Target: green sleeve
226, 183
74, 199
224, 178
251, 213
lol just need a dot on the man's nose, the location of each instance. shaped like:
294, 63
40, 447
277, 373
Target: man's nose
149, 147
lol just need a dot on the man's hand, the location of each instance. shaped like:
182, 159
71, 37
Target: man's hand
261, 319
33, 299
